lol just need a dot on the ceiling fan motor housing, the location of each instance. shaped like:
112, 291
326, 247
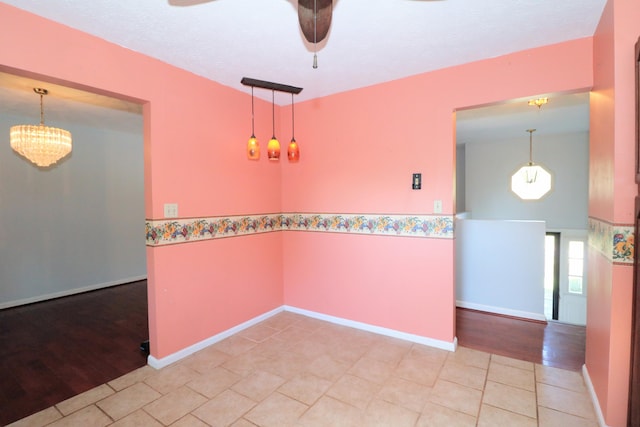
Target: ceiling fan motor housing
315, 28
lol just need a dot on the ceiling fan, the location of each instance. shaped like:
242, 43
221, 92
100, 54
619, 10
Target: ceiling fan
314, 17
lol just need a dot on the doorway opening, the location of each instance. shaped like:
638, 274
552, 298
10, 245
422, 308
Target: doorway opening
551, 275
565, 298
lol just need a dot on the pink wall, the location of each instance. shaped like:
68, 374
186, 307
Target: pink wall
359, 149
195, 138
392, 282
217, 285
611, 199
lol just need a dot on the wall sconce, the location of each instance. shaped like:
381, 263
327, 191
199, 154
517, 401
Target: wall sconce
273, 147
531, 181
42, 145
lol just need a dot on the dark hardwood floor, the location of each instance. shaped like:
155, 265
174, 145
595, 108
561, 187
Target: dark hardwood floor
549, 343
53, 350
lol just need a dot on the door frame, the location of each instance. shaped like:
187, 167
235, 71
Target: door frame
633, 412
555, 309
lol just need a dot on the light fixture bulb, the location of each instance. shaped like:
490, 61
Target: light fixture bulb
253, 148
293, 151
273, 149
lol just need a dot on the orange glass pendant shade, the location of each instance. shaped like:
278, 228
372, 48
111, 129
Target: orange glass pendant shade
273, 149
253, 149
293, 151
273, 146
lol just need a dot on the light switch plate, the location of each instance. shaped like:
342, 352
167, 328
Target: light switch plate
437, 206
416, 182
171, 210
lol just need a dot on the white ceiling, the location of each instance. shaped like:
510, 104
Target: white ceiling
370, 41
510, 120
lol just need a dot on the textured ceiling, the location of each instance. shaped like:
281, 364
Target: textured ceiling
370, 41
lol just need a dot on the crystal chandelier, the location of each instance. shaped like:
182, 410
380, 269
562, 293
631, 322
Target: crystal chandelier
42, 145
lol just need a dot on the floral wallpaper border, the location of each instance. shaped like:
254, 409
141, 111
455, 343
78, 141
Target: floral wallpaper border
616, 242
171, 231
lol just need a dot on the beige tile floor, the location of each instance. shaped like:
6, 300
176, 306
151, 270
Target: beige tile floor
292, 370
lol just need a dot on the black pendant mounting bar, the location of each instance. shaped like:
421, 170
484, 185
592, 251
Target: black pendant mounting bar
270, 85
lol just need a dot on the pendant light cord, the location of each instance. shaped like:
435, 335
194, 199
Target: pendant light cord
253, 134
273, 113
293, 121
531, 145
41, 111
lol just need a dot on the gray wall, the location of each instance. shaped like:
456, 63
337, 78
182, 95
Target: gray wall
489, 166
77, 226
499, 264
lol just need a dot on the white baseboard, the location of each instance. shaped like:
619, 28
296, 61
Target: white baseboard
501, 310
594, 396
445, 345
70, 292
172, 358
181, 354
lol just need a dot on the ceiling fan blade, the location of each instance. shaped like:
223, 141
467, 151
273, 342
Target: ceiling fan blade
322, 22
187, 2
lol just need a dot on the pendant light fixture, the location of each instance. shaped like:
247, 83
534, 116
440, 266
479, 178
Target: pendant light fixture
273, 148
293, 151
253, 147
42, 145
531, 181
538, 102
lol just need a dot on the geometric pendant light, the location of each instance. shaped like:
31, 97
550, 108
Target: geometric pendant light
531, 181
42, 145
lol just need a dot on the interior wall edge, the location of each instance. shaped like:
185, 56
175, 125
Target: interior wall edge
159, 363
69, 292
501, 310
593, 396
